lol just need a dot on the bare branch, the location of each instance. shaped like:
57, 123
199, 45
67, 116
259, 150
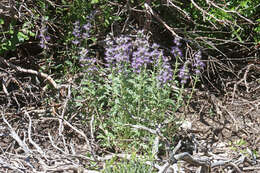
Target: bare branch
17, 68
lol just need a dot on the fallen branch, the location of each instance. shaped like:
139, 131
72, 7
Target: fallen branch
30, 71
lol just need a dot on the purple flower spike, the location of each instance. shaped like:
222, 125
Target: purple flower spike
184, 73
137, 54
198, 64
177, 41
176, 51
80, 33
44, 37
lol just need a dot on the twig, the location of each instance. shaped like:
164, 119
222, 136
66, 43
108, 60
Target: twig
20, 69
230, 11
198, 162
179, 9
29, 135
55, 146
16, 137
150, 10
79, 132
226, 22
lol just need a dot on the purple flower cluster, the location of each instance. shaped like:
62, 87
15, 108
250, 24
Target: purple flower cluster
184, 73
176, 51
44, 37
81, 34
165, 74
87, 62
142, 57
118, 52
137, 54
198, 64
165, 71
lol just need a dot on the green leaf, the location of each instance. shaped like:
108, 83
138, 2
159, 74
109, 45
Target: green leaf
2, 21
32, 34
11, 31
94, 1
68, 63
21, 37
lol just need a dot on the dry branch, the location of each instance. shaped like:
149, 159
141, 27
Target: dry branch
30, 71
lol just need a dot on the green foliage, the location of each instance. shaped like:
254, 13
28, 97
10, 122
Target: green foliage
127, 166
12, 37
231, 19
124, 99
240, 146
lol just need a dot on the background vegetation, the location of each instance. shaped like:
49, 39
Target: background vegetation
122, 69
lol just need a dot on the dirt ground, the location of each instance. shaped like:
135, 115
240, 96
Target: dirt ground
227, 128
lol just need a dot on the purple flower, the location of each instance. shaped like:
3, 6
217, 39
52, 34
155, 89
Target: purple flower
176, 51
198, 64
75, 42
137, 54
177, 41
80, 33
87, 27
118, 53
165, 73
89, 63
184, 73
44, 37
141, 59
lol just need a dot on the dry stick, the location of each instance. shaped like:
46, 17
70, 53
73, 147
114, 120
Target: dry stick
20, 69
16, 137
167, 165
75, 129
91, 126
55, 146
251, 168
21, 143
179, 9
74, 168
128, 17
156, 147
6, 92
155, 132
212, 16
183, 156
148, 16
29, 135
210, 44
198, 162
232, 11
61, 126
150, 10
241, 80
9, 166
72, 148
79, 132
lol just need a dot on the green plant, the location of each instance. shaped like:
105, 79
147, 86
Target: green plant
239, 146
134, 165
131, 92
11, 37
